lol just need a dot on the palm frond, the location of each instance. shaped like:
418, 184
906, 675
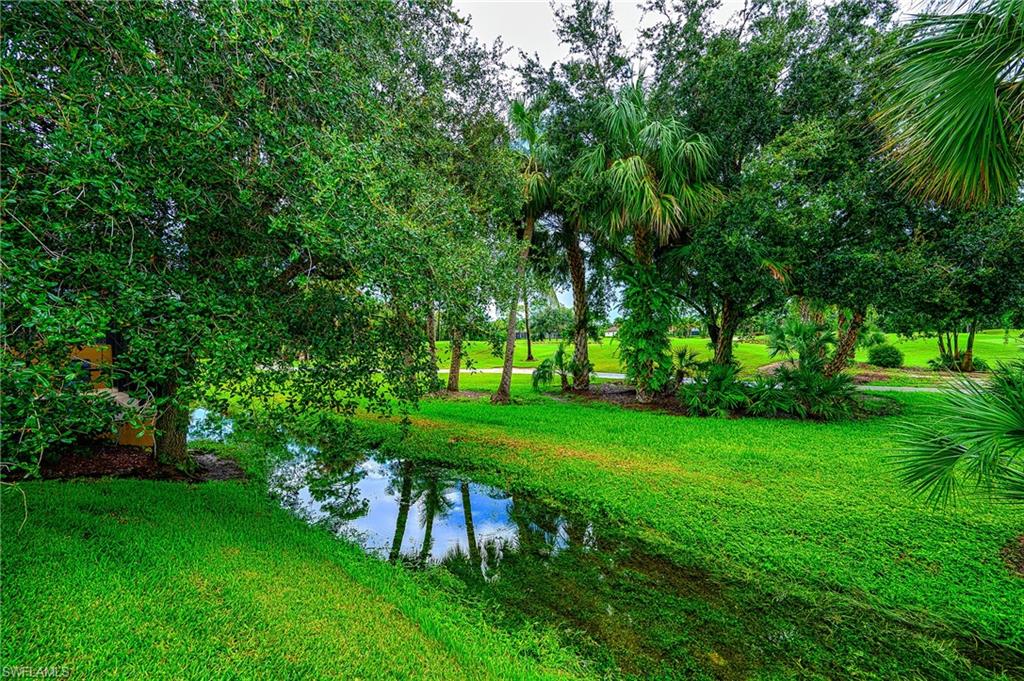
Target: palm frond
954, 108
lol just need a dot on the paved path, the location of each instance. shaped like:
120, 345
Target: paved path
617, 376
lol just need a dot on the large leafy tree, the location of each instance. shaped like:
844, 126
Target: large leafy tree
954, 109
773, 66
651, 177
962, 272
229, 198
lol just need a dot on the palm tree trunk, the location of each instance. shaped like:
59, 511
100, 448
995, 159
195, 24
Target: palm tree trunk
467, 513
847, 343
526, 319
505, 387
578, 277
453, 367
404, 502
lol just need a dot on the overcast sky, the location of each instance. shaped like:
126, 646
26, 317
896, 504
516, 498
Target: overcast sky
529, 25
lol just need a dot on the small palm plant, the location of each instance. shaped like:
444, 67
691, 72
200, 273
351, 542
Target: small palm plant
558, 364
975, 438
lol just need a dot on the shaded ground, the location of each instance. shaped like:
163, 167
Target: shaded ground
121, 461
1013, 554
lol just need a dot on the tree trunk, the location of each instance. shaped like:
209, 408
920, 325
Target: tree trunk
644, 254
526, 320
404, 502
580, 312
505, 387
171, 440
847, 343
432, 335
455, 365
967, 363
726, 332
467, 514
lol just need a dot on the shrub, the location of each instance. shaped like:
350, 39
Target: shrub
715, 391
952, 363
767, 397
886, 356
817, 396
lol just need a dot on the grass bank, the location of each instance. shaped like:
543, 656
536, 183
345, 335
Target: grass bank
790, 508
140, 579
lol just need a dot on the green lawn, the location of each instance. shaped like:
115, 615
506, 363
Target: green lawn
816, 562
134, 579
989, 345
789, 508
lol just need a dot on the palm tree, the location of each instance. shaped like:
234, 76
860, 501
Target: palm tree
954, 107
976, 436
534, 154
651, 174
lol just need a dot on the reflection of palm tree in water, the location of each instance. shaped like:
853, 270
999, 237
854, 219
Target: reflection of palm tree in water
404, 502
434, 504
467, 512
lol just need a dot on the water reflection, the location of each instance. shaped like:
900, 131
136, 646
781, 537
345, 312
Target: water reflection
623, 610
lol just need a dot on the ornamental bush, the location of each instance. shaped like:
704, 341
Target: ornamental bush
886, 356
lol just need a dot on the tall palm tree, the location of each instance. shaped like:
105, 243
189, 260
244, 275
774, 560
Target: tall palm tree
534, 154
954, 106
652, 179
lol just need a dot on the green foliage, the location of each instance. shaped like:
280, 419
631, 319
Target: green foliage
886, 356
715, 390
257, 197
973, 439
644, 347
954, 108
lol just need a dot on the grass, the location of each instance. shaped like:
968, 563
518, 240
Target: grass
819, 563
147, 579
795, 508
989, 345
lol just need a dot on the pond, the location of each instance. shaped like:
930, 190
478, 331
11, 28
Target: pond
541, 562
530, 560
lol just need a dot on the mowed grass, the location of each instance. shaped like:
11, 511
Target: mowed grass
795, 508
138, 579
991, 345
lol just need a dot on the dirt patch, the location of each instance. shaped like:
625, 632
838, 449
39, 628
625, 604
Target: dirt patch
625, 396
1013, 554
120, 461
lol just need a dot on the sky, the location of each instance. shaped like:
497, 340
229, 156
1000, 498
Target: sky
529, 25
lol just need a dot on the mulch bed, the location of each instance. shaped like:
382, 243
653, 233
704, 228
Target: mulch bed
121, 461
1013, 554
625, 396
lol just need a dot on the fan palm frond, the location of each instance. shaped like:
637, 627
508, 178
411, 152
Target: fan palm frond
954, 108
